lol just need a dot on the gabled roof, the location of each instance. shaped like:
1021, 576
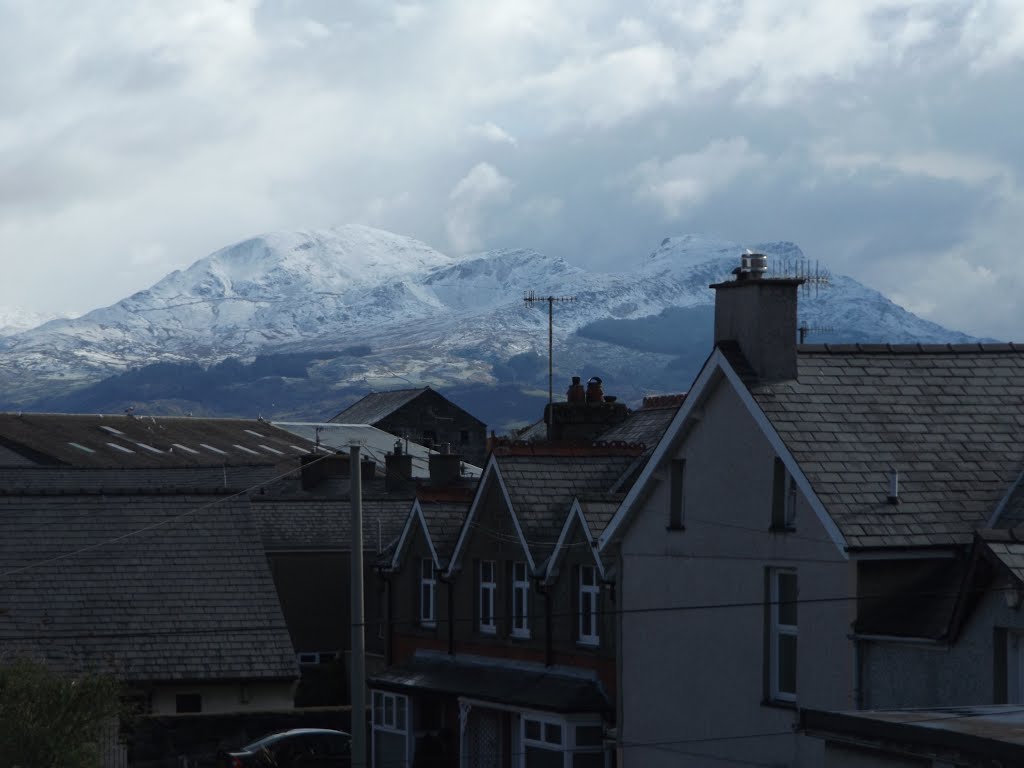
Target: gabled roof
949, 418
592, 515
150, 588
326, 523
78, 480
377, 406
440, 522
82, 440
539, 489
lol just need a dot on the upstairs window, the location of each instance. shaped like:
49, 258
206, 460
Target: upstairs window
782, 634
520, 600
783, 498
428, 592
589, 597
488, 589
676, 510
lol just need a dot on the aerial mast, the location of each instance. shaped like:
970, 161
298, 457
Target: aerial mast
531, 298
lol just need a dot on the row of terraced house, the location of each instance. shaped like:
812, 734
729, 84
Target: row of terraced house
810, 559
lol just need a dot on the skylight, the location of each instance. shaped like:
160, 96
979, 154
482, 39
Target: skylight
81, 447
272, 450
211, 448
111, 430
150, 448
185, 448
247, 450
255, 434
121, 448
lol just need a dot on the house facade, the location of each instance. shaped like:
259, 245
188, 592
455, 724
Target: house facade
802, 537
502, 637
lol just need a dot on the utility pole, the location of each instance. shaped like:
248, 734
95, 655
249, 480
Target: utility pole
357, 681
530, 298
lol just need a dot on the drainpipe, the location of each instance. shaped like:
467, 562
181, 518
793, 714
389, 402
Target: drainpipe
451, 616
358, 662
549, 650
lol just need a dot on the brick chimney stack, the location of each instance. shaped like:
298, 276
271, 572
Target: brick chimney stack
759, 315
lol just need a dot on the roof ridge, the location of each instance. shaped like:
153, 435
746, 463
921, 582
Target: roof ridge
913, 348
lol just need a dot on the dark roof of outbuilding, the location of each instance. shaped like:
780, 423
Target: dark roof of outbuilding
377, 406
148, 588
82, 440
326, 523
542, 488
515, 685
949, 418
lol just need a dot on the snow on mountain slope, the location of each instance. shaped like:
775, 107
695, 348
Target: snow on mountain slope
15, 320
425, 315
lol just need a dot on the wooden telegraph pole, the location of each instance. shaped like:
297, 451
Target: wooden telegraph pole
531, 298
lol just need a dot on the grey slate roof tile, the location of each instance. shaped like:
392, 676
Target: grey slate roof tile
542, 488
949, 418
376, 406
326, 523
150, 588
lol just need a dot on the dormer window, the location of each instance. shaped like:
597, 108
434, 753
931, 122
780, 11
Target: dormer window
783, 498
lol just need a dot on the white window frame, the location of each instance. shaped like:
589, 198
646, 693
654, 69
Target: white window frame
589, 632
776, 630
520, 593
428, 586
381, 722
566, 744
488, 592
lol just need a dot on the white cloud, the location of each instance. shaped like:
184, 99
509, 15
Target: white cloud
493, 133
688, 179
473, 197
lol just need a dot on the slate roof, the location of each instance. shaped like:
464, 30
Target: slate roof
599, 512
147, 588
81, 440
950, 418
377, 406
293, 524
75, 480
542, 488
1007, 546
647, 424
444, 521
513, 685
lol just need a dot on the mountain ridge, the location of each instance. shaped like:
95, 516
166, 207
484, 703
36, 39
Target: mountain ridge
418, 315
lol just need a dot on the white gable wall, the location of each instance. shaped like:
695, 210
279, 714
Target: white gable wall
690, 675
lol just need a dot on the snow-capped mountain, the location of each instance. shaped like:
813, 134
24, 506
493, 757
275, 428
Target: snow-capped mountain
16, 319
416, 315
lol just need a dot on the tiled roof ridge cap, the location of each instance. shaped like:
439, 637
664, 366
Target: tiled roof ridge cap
910, 349
504, 448
653, 402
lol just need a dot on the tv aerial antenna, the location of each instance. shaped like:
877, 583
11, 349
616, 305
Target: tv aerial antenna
804, 330
531, 298
811, 273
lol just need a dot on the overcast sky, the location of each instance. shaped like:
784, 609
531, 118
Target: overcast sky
883, 136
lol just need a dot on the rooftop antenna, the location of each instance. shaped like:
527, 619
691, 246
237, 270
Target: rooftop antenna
531, 298
812, 273
804, 330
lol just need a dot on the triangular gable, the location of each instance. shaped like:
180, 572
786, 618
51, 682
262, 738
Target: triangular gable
492, 474
716, 370
575, 514
415, 516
